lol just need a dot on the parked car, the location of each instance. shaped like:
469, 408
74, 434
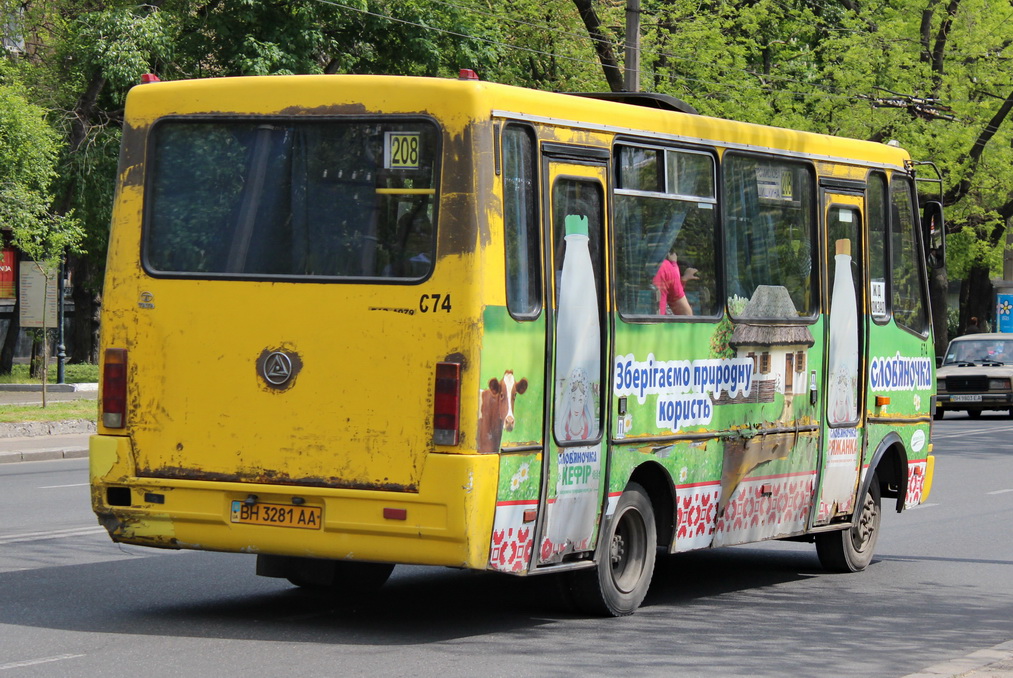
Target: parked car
976, 375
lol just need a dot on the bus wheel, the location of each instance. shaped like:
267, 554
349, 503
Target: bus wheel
620, 581
851, 550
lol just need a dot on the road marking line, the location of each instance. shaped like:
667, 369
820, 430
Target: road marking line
56, 487
921, 506
34, 662
964, 434
53, 534
999, 492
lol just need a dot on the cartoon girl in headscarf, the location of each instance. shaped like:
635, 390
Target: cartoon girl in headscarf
578, 412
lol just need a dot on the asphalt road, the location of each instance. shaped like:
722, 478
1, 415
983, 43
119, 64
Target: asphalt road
74, 604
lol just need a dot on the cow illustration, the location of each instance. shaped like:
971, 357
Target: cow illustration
497, 410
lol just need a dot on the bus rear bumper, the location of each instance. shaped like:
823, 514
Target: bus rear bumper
447, 522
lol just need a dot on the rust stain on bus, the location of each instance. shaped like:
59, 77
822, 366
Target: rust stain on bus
330, 109
460, 212
268, 477
131, 162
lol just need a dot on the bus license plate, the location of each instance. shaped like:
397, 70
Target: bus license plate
975, 398
279, 515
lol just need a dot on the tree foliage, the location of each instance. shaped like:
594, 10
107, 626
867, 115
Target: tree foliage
931, 74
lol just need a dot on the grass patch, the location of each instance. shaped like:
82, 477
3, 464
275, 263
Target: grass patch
73, 374
55, 411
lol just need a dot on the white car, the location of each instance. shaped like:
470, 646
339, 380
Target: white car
976, 375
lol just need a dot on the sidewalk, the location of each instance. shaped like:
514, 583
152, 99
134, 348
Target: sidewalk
995, 662
31, 394
42, 447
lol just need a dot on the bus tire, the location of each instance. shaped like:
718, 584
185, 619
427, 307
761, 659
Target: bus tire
851, 550
619, 582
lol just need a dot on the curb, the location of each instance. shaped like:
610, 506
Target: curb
50, 388
44, 455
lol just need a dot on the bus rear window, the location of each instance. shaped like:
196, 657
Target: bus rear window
289, 199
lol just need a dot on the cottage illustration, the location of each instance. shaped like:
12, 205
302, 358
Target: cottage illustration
778, 351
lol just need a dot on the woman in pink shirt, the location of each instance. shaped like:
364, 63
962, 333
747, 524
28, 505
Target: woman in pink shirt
669, 283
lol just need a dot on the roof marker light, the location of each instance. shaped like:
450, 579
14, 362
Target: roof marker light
467, 74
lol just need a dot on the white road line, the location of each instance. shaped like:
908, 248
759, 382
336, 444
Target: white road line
43, 660
921, 506
56, 487
52, 534
964, 434
999, 492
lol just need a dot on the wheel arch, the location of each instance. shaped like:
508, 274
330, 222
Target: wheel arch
656, 480
889, 466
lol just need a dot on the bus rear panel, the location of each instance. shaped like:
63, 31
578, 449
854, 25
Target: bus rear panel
281, 306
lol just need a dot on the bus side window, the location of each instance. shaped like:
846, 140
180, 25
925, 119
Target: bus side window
665, 205
520, 222
908, 292
769, 222
879, 299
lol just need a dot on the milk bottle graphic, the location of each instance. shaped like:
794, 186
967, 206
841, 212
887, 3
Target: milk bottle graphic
577, 380
841, 475
842, 405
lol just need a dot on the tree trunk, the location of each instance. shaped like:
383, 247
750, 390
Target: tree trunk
976, 298
35, 362
85, 327
602, 45
938, 284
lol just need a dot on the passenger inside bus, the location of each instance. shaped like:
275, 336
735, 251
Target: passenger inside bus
670, 282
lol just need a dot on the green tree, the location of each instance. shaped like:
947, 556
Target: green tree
930, 74
29, 149
81, 57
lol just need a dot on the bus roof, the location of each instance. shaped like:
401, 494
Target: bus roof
456, 102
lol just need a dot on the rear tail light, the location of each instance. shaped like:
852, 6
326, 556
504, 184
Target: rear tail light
114, 388
447, 404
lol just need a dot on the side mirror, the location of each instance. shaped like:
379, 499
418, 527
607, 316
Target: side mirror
934, 233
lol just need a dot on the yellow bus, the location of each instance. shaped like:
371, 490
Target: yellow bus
356, 321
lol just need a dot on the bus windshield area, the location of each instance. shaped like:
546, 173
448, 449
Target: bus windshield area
291, 199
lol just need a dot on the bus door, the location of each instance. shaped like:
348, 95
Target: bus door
574, 462
845, 328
